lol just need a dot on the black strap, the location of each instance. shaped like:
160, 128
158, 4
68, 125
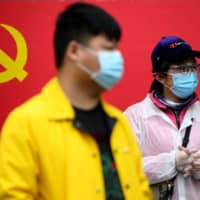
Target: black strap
186, 136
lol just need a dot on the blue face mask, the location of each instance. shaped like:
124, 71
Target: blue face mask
111, 68
184, 84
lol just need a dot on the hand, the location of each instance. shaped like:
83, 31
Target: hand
188, 156
187, 171
196, 162
184, 160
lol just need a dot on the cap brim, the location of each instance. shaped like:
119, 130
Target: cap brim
196, 54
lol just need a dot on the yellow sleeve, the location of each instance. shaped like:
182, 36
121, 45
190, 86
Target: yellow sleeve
18, 166
146, 193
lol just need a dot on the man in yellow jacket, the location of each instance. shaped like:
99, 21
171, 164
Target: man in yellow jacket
66, 143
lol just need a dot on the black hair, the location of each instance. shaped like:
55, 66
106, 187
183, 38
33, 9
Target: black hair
81, 21
156, 85
163, 68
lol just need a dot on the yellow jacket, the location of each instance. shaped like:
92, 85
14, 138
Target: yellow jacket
44, 157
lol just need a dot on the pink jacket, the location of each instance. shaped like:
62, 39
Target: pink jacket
158, 138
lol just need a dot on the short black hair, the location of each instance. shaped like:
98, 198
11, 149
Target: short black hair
81, 21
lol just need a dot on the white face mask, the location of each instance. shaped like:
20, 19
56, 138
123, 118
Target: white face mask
111, 68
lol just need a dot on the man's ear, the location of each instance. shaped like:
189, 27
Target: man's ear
72, 51
160, 77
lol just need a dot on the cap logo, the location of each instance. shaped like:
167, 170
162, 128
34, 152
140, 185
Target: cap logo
174, 45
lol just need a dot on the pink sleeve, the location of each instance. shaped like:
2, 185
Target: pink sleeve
159, 167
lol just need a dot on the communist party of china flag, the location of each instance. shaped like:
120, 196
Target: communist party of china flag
26, 44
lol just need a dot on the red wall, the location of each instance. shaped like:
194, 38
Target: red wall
143, 23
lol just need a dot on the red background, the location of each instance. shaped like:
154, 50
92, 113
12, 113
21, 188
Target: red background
143, 23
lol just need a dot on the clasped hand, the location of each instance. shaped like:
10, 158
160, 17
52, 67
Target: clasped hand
187, 161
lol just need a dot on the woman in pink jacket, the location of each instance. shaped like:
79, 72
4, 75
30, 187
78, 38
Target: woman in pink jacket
167, 122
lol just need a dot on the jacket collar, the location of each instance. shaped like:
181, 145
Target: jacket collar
193, 109
161, 105
58, 106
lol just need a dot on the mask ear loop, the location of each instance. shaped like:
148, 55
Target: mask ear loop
89, 49
198, 69
164, 74
86, 70
83, 67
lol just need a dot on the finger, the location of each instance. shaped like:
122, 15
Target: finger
188, 173
196, 165
187, 168
196, 154
195, 170
185, 175
193, 151
188, 161
181, 148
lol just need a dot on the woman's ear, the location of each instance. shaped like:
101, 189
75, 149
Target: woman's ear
160, 77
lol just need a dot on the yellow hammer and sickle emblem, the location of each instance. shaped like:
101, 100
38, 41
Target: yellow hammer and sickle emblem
14, 68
